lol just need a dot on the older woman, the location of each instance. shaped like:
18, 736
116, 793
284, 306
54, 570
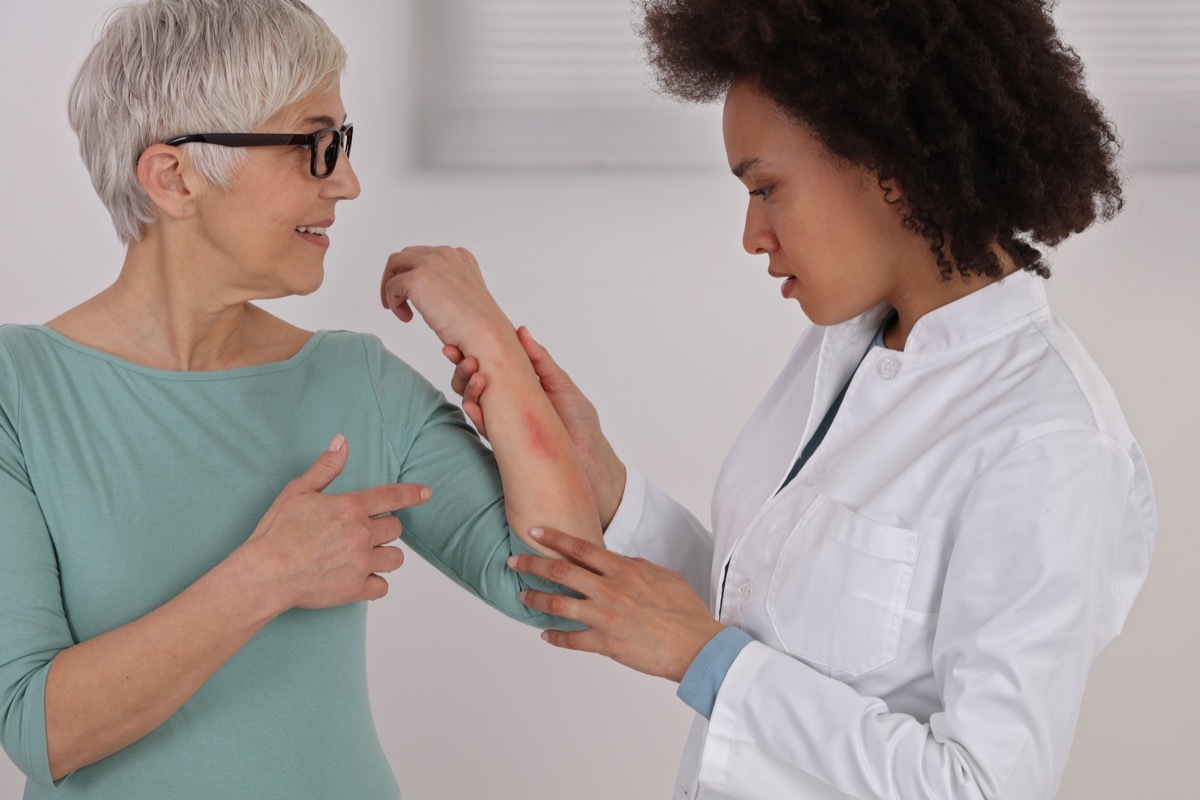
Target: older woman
181, 587
937, 518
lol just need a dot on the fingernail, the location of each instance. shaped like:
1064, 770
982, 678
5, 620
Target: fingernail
545, 636
337, 443
523, 595
512, 562
426, 493
538, 534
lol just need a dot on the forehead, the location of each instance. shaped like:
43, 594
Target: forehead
758, 133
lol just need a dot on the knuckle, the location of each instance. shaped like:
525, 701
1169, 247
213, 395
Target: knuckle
581, 549
556, 604
559, 570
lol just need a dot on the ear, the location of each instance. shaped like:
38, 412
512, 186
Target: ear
169, 181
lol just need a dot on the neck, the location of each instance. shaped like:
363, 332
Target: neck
924, 290
166, 311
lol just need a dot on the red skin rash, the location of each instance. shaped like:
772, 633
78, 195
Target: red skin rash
535, 436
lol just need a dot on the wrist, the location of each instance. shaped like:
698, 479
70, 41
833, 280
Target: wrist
252, 579
610, 479
702, 637
491, 338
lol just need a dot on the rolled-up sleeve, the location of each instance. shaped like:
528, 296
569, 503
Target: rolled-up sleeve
463, 530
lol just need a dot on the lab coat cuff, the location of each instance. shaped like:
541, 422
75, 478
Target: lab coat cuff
702, 681
729, 738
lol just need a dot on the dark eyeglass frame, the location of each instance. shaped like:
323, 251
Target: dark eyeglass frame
342, 138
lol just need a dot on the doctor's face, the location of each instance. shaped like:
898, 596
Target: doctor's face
826, 226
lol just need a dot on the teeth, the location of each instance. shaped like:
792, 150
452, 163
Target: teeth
317, 231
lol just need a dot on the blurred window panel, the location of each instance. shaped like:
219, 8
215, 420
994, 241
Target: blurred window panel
554, 84
562, 84
1143, 63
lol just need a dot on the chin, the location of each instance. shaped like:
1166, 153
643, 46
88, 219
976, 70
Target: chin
311, 285
823, 315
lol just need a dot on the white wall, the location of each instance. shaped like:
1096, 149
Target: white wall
638, 284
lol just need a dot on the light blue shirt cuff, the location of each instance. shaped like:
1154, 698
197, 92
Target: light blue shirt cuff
704, 677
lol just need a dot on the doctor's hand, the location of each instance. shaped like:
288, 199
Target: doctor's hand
638, 613
605, 471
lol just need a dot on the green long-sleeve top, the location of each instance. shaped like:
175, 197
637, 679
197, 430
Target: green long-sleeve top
121, 485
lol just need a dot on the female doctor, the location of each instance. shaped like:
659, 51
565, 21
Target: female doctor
937, 518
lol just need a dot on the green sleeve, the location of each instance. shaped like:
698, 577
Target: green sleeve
462, 530
33, 625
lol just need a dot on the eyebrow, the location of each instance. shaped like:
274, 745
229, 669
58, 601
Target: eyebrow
745, 165
325, 122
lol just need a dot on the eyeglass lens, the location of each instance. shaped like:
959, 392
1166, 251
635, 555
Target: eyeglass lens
325, 154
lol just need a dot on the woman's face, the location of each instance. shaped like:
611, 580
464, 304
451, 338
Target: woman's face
248, 237
826, 227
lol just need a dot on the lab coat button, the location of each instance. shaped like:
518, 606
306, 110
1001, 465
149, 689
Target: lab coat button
746, 589
889, 367
816, 476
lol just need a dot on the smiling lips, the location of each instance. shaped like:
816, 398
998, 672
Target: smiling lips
317, 233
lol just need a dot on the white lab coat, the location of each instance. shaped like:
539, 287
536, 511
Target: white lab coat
931, 591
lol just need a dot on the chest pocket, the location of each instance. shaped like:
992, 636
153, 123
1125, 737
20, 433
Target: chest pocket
837, 595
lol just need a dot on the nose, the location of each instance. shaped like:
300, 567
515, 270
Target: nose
343, 183
758, 237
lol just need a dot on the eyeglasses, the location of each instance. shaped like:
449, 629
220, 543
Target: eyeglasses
324, 144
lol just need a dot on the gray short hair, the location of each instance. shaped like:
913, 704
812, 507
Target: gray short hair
164, 68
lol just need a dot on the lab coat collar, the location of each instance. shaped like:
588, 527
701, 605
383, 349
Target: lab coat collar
958, 323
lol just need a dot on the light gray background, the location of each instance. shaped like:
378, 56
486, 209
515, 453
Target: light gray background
638, 284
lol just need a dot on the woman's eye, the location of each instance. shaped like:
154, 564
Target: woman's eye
762, 191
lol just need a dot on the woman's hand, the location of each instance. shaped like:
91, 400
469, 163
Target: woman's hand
605, 471
638, 613
446, 286
320, 550
310, 550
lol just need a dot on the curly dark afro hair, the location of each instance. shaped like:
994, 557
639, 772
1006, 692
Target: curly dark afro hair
975, 108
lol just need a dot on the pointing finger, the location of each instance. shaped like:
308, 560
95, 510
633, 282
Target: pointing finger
390, 497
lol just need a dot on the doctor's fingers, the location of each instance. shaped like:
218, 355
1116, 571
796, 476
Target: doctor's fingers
595, 557
561, 605
588, 641
464, 369
560, 571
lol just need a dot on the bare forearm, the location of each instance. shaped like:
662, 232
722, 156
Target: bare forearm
606, 475
544, 480
110, 691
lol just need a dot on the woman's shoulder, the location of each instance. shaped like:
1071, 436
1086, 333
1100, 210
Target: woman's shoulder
13, 335
367, 351
24, 344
